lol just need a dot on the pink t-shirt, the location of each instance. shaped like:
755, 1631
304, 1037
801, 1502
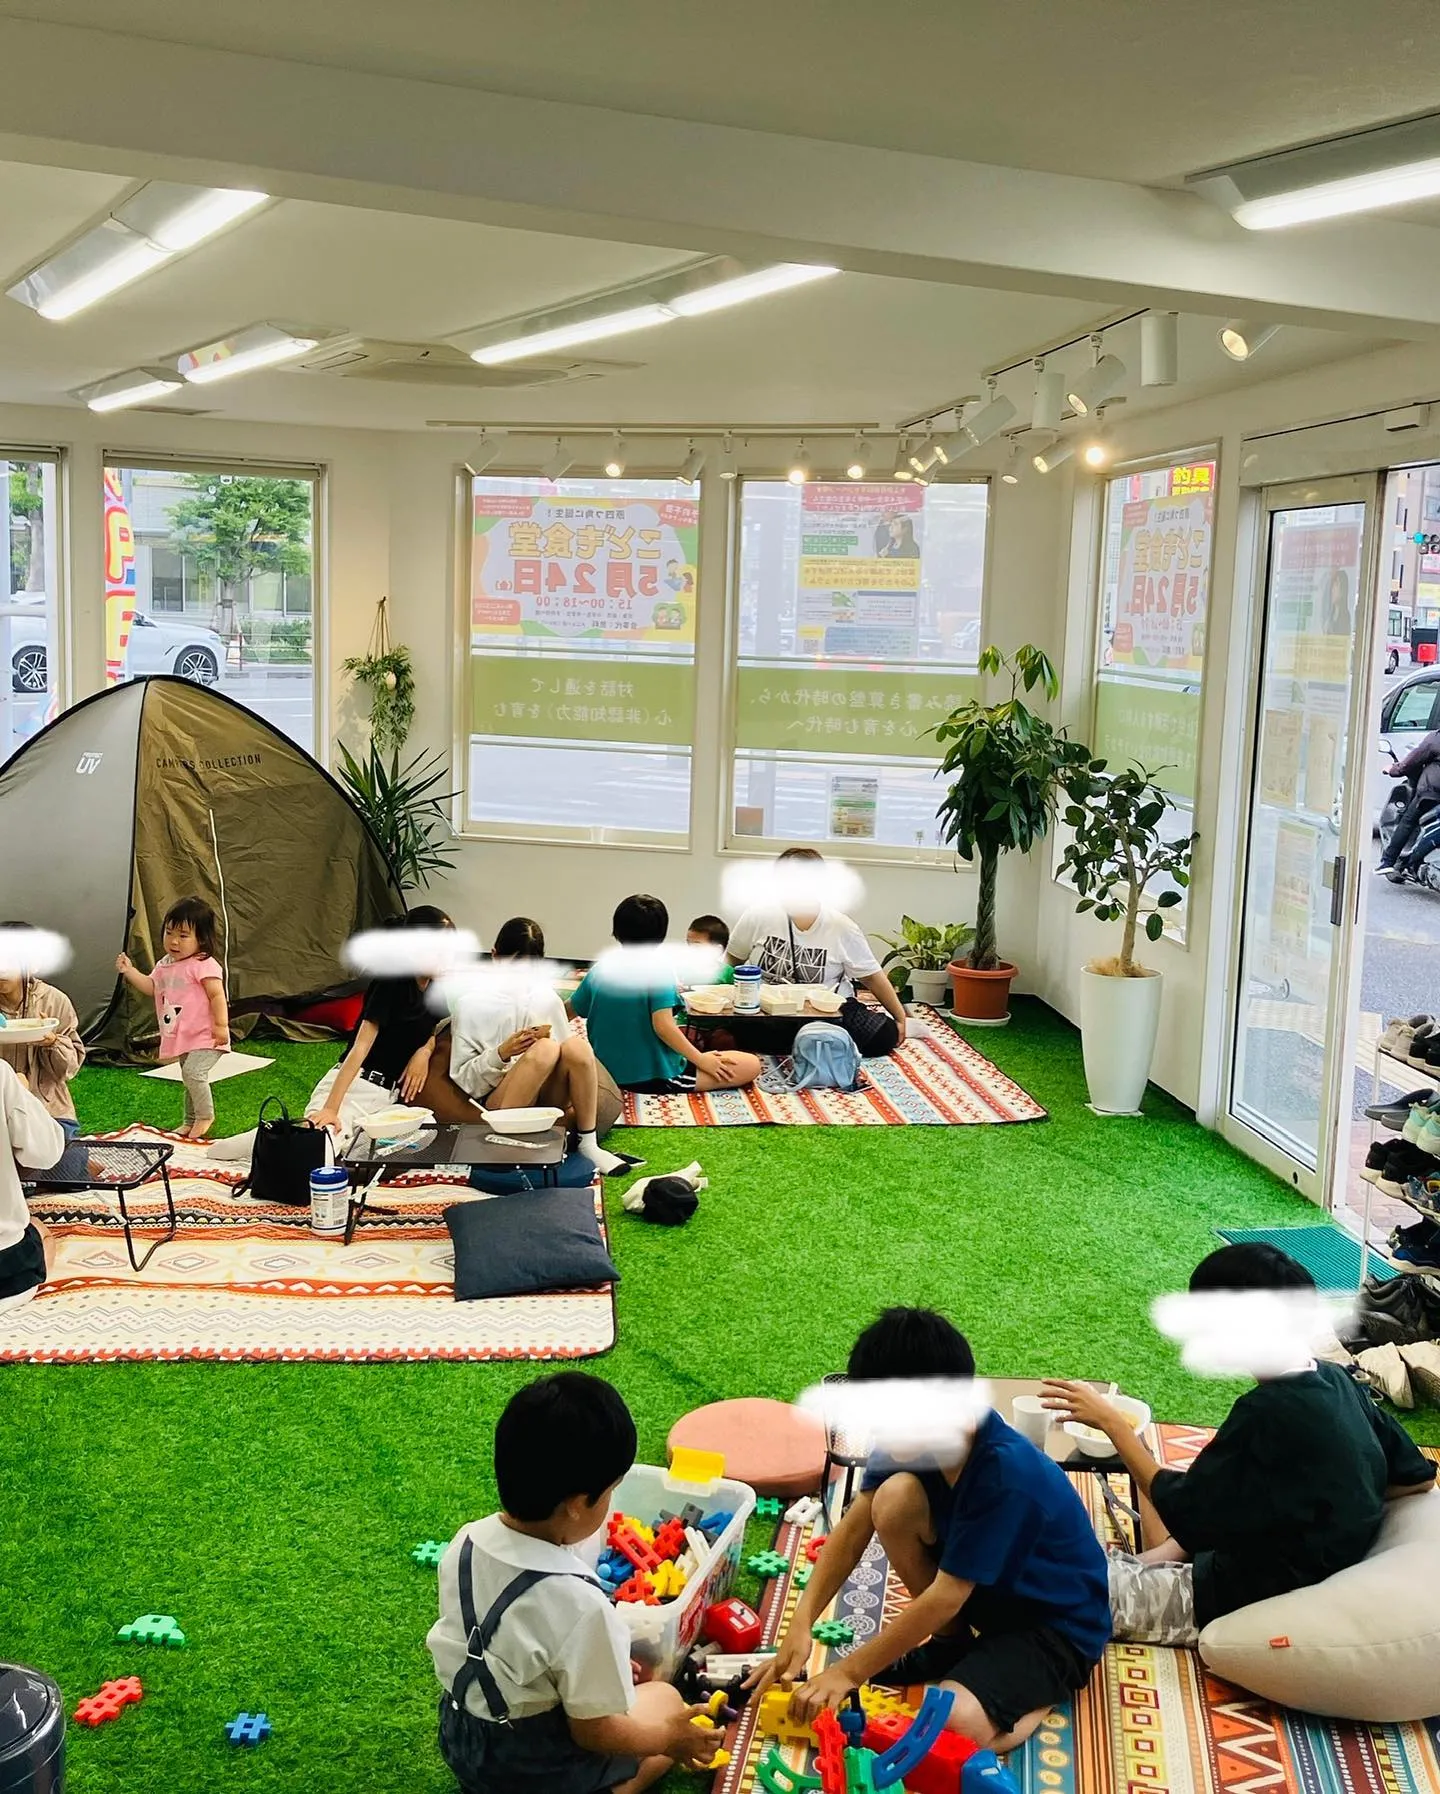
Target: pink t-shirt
183, 1005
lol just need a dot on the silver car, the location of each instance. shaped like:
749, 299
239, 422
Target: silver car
157, 645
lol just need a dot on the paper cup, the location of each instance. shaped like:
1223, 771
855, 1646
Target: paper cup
1029, 1416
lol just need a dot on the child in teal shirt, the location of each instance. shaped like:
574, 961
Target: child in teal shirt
628, 999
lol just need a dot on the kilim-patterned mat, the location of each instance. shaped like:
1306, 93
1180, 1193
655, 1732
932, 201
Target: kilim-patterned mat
246, 1280
1150, 1721
937, 1082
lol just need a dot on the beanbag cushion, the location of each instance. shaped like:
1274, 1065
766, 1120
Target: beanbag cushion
1363, 1644
516, 1245
775, 1448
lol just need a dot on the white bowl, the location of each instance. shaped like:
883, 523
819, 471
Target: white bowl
397, 1122
523, 1121
25, 1030
1096, 1444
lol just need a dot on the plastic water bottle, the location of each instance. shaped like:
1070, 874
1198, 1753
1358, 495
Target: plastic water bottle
329, 1201
747, 990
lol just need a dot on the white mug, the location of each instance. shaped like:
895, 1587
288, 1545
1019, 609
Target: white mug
1030, 1417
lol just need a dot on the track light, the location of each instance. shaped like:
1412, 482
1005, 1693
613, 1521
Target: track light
902, 469
989, 420
859, 463
1241, 337
1011, 471
923, 458
800, 469
1097, 383
728, 469
1096, 453
488, 450
1048, 459
1049, 393
1159, 348
615, 461
560, 462
691, 465
137, 387
258, 346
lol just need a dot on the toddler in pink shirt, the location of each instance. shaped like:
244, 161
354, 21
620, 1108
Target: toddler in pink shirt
188, 987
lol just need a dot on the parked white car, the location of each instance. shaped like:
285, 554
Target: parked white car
157, 645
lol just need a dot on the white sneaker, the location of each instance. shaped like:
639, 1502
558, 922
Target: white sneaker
1423, 1361
1384, 1368
1397, 1037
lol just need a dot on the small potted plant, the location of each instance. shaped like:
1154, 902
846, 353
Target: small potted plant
1005, 763
1116, 851
923, 954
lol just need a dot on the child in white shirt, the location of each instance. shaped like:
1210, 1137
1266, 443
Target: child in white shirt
31, 1136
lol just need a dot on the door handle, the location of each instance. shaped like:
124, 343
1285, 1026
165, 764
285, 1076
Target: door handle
1337, 891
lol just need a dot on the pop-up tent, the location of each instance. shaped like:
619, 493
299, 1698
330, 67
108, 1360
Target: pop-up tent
162, 789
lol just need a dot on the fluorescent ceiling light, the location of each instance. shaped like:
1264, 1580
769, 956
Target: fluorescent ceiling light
1241, 338
744, 287
1050, 458
137, 387
1337, 199
1363, 171
160, 221
569, 336
615, 462
259, 346
1096, 385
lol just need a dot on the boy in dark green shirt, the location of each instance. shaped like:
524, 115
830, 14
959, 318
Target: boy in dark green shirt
1290, 1490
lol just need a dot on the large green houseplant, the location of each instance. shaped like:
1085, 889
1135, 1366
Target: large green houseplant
406, 814
1004, 763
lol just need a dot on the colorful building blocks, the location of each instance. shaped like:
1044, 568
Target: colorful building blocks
668, 1581
628, 1541
859, 1772
943, 1768
986, 1774
733, 1625
714, 1524
803, 1511
248, 1728
773, 1719
768, 1507
152, 1628
830, 1753
766, 1564
815, 1547
637, 1589
669, 1540
917, 1741
109, 1702
428, 1553
802, 1576
833, 1632
776, 1776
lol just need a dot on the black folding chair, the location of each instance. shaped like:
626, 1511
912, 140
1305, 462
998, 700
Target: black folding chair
118, 1165
842, 1452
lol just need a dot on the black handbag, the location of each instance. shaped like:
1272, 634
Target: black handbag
285, 1154
874, 1031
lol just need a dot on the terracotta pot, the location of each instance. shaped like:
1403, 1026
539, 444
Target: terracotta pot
981, 998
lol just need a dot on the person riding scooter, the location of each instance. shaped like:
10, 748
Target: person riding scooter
1423, 761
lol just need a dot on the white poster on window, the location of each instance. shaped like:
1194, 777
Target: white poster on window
1163, 581
859, 571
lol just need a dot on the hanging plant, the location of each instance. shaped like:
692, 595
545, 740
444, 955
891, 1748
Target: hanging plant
389, 677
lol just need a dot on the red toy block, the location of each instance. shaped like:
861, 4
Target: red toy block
670, 1541
830, 1758
629, 1544
637, 1589
814, 1548
941, 1770
96, 1709
734, 1626
880, 1734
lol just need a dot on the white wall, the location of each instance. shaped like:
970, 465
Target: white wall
390, 527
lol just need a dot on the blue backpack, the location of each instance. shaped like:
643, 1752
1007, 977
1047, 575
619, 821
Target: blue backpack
824, 1057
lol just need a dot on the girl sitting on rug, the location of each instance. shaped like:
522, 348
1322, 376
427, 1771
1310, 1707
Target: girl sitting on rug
29, 1135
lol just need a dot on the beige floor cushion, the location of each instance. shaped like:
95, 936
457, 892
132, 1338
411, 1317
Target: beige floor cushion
1361, 1645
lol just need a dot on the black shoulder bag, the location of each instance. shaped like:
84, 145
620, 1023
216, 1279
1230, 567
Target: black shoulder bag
285, 1154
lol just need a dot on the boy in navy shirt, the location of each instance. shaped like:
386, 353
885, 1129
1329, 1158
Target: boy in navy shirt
1009, 1607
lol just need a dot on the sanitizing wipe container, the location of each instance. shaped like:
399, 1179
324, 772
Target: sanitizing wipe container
329, 1201
747, 990
671, 1630
32, 1732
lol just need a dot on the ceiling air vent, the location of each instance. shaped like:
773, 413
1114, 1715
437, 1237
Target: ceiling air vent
437, 364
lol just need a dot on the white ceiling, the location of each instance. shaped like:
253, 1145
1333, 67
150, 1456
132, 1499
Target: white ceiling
1125, 89
857, 348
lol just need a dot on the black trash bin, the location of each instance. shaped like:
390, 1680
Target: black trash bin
32, 1732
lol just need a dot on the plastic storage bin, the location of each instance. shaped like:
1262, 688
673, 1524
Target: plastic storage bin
672, 1629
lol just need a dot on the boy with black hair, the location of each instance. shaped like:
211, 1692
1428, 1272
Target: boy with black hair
629, 998
1291, 1489
1006, 1578
535, 1663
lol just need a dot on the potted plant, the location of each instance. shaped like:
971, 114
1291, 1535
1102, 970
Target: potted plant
1005, 763
923, 954
1117, 850
388, 675
405, 812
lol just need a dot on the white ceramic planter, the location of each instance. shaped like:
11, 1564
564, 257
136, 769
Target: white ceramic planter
1119, 1019
930, 987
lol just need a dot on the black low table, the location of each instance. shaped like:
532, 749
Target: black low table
116, 1165
468, 1143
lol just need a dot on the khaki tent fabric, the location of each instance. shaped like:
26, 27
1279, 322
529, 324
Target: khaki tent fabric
192, 794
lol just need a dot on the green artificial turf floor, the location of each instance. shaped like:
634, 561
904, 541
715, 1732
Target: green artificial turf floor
271, 1507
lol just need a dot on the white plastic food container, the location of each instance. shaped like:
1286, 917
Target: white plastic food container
523, 1121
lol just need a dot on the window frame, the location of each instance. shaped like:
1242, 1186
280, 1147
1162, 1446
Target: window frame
319, 747
728, 843
529, 834
61, 681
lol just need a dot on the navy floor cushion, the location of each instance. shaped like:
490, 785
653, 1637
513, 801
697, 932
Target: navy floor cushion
516, 1245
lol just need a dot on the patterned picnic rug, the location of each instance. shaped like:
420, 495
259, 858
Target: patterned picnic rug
245, 1280
1150, 1721
941, 1081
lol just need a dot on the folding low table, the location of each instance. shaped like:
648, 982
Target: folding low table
470, 1144
116, 1165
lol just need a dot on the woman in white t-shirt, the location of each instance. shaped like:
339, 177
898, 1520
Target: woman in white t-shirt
811, 945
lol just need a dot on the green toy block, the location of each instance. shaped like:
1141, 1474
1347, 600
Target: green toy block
152, 1628
428, 1553
766, 1564
768, 1508
776, 1776
859, 1772
833, 1632
803, 1575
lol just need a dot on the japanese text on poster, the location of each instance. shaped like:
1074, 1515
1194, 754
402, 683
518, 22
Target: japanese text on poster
859, 571
1163, 578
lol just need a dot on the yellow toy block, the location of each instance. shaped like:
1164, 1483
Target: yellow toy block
773, 1719
878, 1702
668, 1581
711, 1716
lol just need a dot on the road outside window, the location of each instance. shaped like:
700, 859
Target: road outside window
30, 587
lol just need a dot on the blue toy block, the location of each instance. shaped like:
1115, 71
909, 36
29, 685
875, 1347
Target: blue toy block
248, 1728
714, 1524
984, 1773
911, 1751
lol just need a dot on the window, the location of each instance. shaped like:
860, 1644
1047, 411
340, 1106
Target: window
199, 565
1154, 602
582, 657
29, 597
857, 628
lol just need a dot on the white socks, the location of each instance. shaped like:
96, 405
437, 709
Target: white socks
606, 1163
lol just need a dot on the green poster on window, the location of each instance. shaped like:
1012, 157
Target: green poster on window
554, 698
846, 710
1156, 725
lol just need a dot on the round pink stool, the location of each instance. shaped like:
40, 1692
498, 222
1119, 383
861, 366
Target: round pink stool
770, 1445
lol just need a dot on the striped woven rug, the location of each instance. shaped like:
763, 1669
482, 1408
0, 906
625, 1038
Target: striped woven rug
1150, 1721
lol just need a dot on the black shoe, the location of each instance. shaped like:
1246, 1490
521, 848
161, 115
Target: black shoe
929, 1662
1377, 1155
